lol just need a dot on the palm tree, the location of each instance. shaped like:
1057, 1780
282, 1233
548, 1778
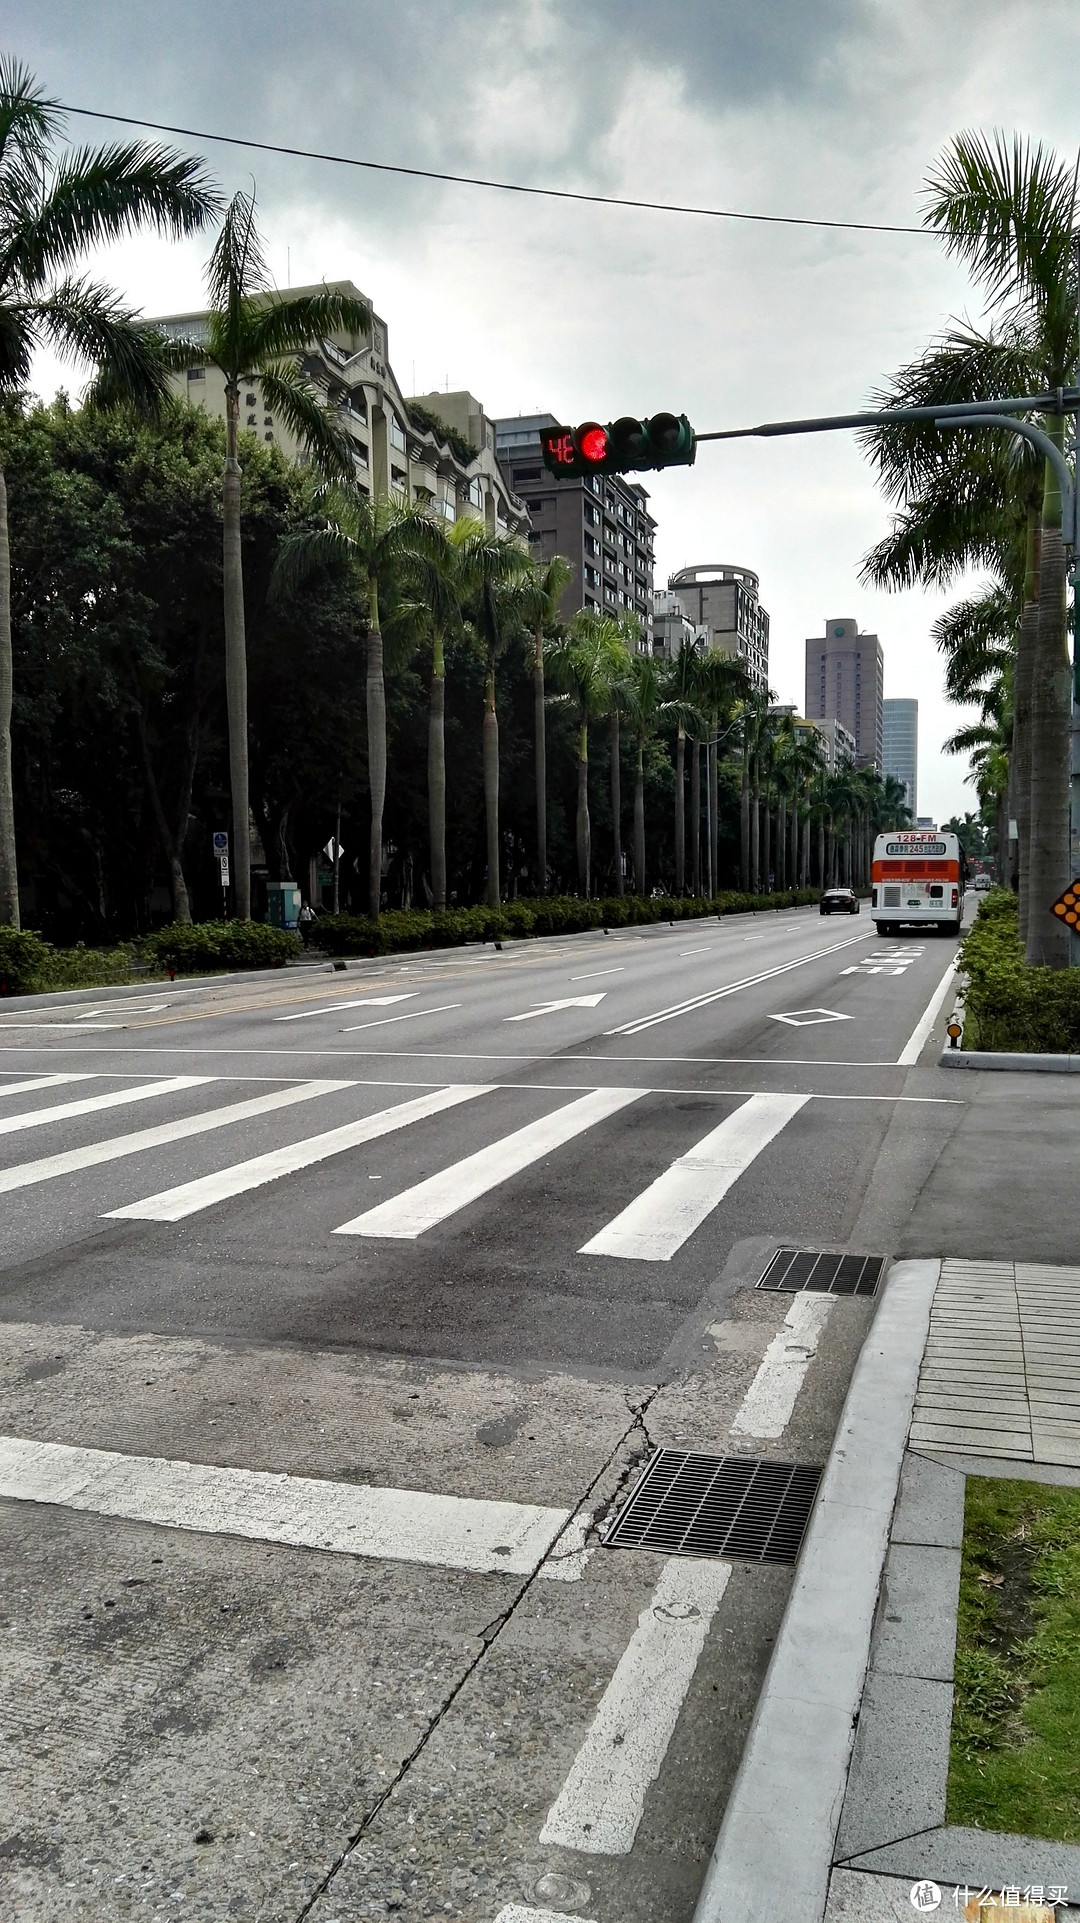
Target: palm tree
253, 333
374, 540
53, 209
438, 613
494, 575
643, 708
547, 582
1007, 210
583, 665
683, 688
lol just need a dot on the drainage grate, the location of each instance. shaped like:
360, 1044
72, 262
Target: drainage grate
797, 1269
688, 1505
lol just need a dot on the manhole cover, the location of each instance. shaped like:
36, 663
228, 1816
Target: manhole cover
798, 1269
690, 1505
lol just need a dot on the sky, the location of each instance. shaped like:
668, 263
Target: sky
834, 109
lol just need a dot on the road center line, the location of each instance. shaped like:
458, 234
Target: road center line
400, 1525
600, 1805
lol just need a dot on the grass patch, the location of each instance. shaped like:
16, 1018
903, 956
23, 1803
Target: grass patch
1014, 1759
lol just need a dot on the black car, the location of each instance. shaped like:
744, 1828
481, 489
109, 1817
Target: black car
839, 901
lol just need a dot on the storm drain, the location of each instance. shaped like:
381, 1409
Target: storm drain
798, 1269
689, 1505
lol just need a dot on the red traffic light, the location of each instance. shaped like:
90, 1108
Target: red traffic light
592, 443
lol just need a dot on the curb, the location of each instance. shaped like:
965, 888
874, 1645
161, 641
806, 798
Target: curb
780, 1824
1017, 1064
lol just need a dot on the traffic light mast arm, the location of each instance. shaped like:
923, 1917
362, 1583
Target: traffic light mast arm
1062, 400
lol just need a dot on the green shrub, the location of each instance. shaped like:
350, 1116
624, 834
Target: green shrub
24, 961
1009, 1006
224, 945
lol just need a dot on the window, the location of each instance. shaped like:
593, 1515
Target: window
528, 474
398, 477
536, 507
360, 453
196, 373
590, 545
589, 602
592, 578
397, 438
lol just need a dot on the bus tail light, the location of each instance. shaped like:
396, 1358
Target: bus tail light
955, 897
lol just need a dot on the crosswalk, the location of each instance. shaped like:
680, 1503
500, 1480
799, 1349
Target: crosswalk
652, 1227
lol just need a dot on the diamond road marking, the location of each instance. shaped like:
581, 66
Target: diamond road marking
809, 1017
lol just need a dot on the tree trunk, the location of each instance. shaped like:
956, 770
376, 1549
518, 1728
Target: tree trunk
376, 743
540, 752
821, 882
714, 819
583, 835
695, 817
680, 812
1027, 642
710, 872
236, 660
766, 850
616, 803
9, 880
639, 822
491, 788
1048, 937
744, 826
755, 835
436, 780
781, 843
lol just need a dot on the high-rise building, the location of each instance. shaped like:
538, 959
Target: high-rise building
443, 453
671, 625
845, 681
900, 755
726, 601
600, 522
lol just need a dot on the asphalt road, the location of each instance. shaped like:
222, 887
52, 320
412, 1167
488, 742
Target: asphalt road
474, 1229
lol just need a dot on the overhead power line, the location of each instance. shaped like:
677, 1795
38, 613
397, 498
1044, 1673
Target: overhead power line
501, 186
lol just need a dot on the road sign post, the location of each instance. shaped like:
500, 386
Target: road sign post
221, 855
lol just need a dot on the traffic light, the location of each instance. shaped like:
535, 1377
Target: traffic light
623, 447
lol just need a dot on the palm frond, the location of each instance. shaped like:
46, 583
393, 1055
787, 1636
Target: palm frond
284, 326
236, 269
88, 322
306, 550
1006, 208
29, 120
289, 395
96, 197
19, 332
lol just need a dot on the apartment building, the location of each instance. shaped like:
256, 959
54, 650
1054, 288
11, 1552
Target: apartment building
600, 522
671, 625
726, 601
900, 746
837, 743
845, 678
439, 450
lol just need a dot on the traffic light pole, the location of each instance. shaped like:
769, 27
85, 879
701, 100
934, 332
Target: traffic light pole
999, 414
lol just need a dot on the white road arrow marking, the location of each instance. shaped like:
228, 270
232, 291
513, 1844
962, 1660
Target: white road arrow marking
369, 1001
552, 1008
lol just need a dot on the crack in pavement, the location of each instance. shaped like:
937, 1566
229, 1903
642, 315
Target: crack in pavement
488, 1637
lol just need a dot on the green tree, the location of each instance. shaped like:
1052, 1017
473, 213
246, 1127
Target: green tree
54, 208
494, 581
642, 710
375, 540
584, 666
253, 333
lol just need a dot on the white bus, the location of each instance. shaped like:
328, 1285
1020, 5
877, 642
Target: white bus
917, 877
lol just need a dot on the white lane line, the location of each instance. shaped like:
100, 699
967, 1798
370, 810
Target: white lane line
42, 1081
91, 1104
414, 1015
61, 1028
596, 974
70, 1161
912, 1048
171, 1205
523, 1913
659, 1220
705, 948
705, 1000
767, 1407
409, 1214
402, 1525
368, 1001
600, 1805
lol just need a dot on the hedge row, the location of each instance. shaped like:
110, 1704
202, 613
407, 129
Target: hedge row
1009, 1006
406, 928
198, 946
28, 964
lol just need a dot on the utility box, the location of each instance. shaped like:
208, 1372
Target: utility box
283, 904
